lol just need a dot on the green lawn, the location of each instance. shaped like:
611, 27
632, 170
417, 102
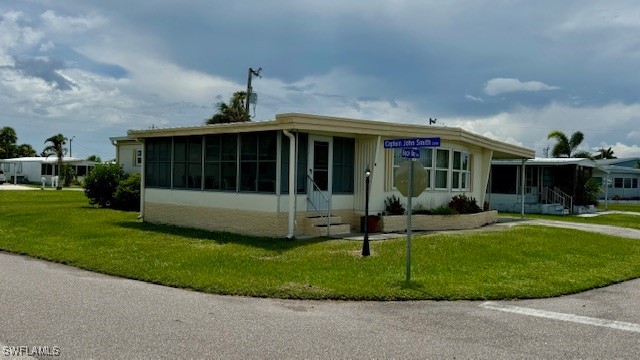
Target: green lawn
621, 207
522, 262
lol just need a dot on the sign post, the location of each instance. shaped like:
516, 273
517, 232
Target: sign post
405, 184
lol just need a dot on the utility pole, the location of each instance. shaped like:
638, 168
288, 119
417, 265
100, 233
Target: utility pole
249, 88
70, 142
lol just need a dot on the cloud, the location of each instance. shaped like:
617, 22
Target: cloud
499, 86
45, 69
473, 98
621, 150
613, 123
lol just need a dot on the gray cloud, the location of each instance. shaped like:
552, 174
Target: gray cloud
45, 69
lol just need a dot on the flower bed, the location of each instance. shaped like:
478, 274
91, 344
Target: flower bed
398, 223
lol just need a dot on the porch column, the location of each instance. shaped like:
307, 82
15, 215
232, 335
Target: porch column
292, 185
522, 184
143, 175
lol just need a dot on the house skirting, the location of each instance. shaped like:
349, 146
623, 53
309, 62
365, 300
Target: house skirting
244, 222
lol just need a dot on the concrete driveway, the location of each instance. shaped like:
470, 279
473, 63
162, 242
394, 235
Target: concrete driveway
87, 315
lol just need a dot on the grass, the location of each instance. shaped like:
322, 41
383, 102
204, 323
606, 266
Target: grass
621, 207
522, 262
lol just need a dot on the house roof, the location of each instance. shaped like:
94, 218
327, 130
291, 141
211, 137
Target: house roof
613, 169
617, 161
48, 160
344, 126
549, 162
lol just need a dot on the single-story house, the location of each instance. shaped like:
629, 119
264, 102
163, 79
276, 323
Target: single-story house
550, 184
620, 177
128, 153
33, 169
277, 177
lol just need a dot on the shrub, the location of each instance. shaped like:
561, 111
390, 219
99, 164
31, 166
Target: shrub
444, 210
420, 210
101, 184
464, 204
127, 195
393, 206
67, 175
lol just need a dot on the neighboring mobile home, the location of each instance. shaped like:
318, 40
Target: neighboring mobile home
621, 177
128, 153
550, 185
33, 169
270, 178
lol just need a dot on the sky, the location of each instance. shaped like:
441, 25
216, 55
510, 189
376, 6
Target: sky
507, 69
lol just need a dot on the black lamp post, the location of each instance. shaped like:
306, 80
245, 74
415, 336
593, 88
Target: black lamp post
365, 244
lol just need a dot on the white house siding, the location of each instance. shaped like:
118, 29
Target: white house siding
126, 157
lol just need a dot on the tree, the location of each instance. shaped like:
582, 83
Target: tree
56, 148
605, 154
232, 112
8, 140
564, 146
25, 150
95, 158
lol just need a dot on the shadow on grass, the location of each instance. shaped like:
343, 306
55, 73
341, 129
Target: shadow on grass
261, 242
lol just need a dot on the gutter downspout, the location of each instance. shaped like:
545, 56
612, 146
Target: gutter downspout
292, 185
522, 182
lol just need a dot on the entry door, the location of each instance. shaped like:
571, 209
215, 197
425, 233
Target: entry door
320, 150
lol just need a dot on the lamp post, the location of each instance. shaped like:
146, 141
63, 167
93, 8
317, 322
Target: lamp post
365, 244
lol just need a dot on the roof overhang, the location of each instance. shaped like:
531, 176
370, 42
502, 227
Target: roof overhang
345, 126
550, 162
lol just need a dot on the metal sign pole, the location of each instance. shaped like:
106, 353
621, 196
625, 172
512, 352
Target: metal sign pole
409, 185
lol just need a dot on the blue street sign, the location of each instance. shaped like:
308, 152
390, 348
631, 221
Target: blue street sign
411, 153
412, 143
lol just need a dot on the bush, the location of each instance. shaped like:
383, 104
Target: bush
393, 206
101, 183
464, 204
67, 175
127, 195
444, 210
420, 210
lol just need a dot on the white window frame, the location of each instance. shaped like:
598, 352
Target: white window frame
138, 157
463, 173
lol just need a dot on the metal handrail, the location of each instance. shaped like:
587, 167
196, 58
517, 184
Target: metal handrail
556, 195
318, 199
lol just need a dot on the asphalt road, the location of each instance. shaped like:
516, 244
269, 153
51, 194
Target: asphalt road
86, 315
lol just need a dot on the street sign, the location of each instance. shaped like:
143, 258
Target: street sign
412, 143
411, 153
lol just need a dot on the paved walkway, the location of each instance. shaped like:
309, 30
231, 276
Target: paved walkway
507, 222
596, 228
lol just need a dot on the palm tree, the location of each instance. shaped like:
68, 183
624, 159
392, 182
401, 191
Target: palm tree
95, 158
56, 148
8, 140
234, 111
25, 150
605, 154
564, 146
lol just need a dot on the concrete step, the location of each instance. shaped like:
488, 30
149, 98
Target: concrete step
337, 229
320, 221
